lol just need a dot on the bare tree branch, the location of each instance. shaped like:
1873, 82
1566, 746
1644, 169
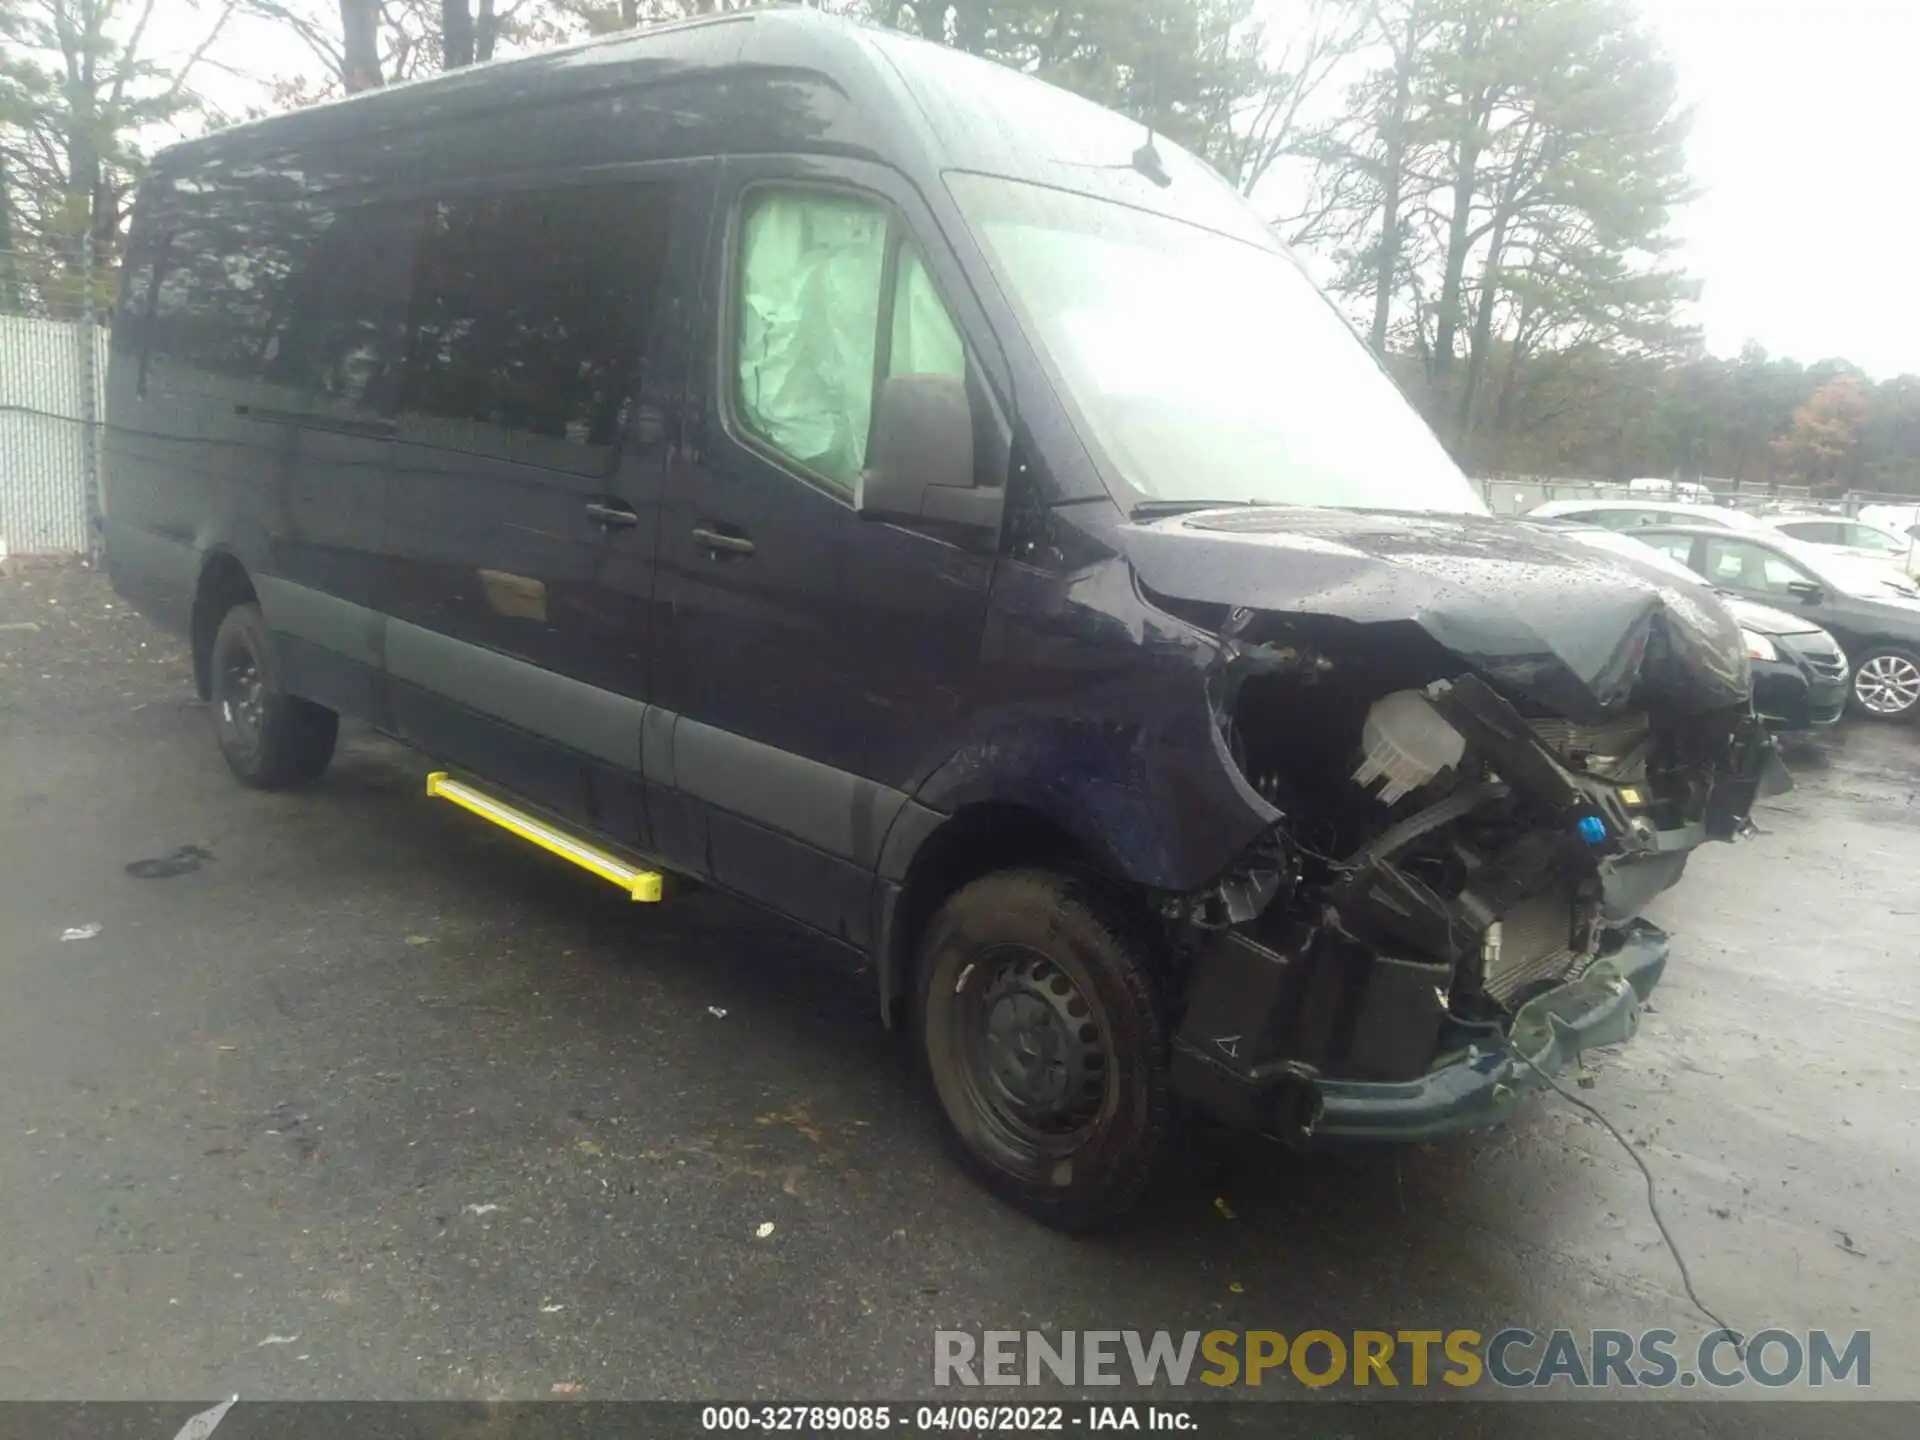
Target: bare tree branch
130, 53
311, 35
199, 53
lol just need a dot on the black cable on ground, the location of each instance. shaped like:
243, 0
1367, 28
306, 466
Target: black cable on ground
1653, 1203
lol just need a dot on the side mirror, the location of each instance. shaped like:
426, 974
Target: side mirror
920, 457
1806, 591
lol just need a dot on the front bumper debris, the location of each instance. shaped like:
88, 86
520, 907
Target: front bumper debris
1479, 1085
1448, 956
1482, 1087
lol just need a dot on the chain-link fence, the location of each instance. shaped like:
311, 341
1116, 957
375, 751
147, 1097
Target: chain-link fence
53, 363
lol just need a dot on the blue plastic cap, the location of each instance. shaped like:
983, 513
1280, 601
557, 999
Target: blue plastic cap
1593, 830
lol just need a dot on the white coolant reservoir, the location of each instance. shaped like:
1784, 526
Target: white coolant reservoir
1407, 743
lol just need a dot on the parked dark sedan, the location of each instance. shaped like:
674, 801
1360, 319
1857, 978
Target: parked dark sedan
1800, 673
1873, 614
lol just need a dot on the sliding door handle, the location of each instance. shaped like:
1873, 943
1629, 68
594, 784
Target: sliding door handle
611, 516
722, 544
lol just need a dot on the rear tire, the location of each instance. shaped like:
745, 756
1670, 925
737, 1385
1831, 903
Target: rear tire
271, 740
1886, 683
1044, 1039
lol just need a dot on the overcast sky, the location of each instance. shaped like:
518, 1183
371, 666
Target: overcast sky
1804, 142
1804, 139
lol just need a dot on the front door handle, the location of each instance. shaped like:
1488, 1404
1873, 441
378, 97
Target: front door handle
611, 516
715, 541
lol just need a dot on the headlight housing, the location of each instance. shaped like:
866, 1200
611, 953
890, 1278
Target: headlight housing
1759, 647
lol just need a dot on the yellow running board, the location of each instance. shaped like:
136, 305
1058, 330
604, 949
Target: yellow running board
640, 884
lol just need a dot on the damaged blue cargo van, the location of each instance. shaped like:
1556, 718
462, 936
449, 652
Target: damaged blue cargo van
914, 499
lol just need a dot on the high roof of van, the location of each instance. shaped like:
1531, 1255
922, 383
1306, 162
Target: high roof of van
770, 81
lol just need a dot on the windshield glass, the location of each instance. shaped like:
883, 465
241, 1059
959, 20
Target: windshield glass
1847, 574
1869, 579
1205, 368
1866, 537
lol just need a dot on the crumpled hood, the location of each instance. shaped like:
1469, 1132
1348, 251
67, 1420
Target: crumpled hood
1568, 627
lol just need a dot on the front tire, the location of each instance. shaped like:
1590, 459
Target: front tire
1044, 1039
1886, 683
271, 740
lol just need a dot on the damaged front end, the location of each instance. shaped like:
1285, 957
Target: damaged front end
1446, 911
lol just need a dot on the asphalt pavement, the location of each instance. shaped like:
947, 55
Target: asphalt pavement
353, 1096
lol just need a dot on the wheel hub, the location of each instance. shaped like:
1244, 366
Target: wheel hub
242, 695
1038, 1050
1025, 1046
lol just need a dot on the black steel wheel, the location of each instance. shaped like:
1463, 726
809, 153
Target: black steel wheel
270, 739
1044, 1040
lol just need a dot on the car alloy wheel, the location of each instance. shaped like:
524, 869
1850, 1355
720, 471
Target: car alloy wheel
1887, 684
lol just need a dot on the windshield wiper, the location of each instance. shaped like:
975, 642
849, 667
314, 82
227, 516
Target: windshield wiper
1158, 509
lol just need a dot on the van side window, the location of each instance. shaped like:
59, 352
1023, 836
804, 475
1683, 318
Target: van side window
811, 304
225, 288
133, 307
342, 354
529, 317
924, 341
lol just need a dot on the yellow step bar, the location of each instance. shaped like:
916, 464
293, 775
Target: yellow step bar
640, 884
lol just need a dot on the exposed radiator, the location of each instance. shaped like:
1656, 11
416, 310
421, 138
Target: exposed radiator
1533, 941
1599, 747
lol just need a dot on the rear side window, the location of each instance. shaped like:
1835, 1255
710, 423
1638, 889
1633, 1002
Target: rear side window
1675, 547
529, 316
225, 290
1820, 532
1614, 519
829, 300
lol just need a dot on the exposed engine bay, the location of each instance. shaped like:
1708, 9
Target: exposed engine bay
1444, 857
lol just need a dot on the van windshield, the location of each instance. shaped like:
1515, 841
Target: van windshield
1205, 368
